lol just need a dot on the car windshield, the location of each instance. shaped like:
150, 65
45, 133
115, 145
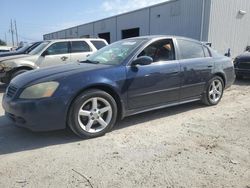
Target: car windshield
115, 53
23, 48
39, 48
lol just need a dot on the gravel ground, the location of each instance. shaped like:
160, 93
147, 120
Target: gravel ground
186, 146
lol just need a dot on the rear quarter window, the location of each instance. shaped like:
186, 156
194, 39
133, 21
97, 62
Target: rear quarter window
206, 51
98, 44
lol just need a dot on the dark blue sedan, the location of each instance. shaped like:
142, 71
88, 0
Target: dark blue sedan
125, 78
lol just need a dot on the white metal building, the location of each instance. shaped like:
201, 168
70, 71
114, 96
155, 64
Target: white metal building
224, 23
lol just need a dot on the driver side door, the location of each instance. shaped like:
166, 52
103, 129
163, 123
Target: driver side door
156, 84
56, 54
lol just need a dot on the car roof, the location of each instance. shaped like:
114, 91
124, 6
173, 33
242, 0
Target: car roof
155, 37
76, 39
147, 37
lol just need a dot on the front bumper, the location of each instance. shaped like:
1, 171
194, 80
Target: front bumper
37, 115
242, 72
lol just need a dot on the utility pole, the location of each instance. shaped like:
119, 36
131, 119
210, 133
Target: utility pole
12, 32
17, 42
6, 39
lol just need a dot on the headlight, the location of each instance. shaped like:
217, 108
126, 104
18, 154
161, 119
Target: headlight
38, 91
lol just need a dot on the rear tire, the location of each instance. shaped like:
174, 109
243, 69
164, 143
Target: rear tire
214, 91
92, 114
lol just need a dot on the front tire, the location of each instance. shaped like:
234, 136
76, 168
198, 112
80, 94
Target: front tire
5, 80
18, 72
12, 75
214, 91
92, 114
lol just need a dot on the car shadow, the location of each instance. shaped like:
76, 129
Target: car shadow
242, 82
158, 114
2, 87
14, 139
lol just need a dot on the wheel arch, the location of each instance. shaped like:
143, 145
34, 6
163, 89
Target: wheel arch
15, 69
108, 89
222, 76
21, 68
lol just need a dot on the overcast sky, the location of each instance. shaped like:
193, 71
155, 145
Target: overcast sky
37, 17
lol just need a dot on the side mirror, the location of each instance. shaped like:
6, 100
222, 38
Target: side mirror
143, 60
45, 53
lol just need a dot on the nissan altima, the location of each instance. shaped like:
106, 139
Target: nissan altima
128, 77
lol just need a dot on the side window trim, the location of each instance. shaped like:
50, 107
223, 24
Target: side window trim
209, 52
68, 47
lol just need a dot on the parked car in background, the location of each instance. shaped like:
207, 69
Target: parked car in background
49, 53
4, 49
242, 65
23, 50
125, 78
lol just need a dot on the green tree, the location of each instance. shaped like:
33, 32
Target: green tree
2, 43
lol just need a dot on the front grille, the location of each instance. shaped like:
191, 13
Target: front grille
11, 91
244, 65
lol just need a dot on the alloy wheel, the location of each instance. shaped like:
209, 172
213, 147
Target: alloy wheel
95, 115
215, 91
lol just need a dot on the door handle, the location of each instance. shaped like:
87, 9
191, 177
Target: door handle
210, 66
64, 58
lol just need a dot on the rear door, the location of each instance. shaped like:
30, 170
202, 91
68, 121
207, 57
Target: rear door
79, 51
56, 54
196, 68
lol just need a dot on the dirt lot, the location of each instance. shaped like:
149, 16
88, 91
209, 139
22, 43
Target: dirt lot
185, 146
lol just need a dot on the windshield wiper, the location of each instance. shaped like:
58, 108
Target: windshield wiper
89, 61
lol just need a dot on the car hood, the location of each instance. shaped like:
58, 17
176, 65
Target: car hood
244, 57
6, 54
53, 73
12, 57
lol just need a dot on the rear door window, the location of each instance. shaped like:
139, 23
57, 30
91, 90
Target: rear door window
189, 49
98, 44
79, 46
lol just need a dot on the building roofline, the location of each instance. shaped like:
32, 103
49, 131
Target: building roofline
115, 16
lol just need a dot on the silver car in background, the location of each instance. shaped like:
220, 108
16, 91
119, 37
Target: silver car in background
49, 53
